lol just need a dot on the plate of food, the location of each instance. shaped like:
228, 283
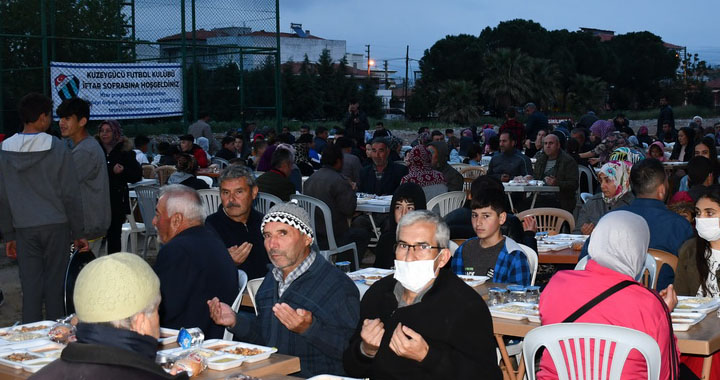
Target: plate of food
473, 280
517, 311
682, 321
28, 331
15, 359
546, 246
370, 275
697, 304
250, 352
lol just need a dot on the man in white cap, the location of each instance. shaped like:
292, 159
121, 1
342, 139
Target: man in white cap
306, 307
116, 300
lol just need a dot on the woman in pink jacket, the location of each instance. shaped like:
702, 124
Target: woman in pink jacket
617, 248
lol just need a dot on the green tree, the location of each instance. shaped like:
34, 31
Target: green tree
507, 80
457, 102
453, 57
584, 93
525, 35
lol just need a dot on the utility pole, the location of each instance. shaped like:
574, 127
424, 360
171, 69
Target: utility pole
386, 75
405, 85
368, 60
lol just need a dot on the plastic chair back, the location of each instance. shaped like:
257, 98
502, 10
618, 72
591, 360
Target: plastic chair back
147, 197
585, 197
582, 263
148, 171
649, 279
549, 219
586, 172
443, 204
312, 206
662, 258
584, 345
264, 201
77, 262
163, 173
532, 258
210, 200
252, 288
242, 283
207, 180
471, 172
220, 162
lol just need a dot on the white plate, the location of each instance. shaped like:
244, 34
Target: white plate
566, 237
37, 364
225, 362
545, 247
164, 341
14, 364
474, 280
708, 304
523, 311
7, 332
682, 321
267, 351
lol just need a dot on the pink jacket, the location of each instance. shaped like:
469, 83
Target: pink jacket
633, 307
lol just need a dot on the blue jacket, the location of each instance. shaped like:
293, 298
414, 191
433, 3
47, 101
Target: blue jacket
511, 267
331, 297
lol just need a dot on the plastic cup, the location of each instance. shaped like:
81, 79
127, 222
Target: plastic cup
496, 296
344, 266
532, 294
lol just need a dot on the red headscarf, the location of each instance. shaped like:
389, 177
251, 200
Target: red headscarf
419, 170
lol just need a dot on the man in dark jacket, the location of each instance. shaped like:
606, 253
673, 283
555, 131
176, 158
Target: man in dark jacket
228, 151
439, 162
441, 329
381, 177
356, 123
557, 168
238, 223
509, 163
329, 186
193, 265
666, 115
276, 181
116, 301
536, 121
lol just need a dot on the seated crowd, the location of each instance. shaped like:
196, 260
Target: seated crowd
421, 322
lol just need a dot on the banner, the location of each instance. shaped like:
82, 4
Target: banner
120, 90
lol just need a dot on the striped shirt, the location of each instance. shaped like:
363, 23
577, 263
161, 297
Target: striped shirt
283, 284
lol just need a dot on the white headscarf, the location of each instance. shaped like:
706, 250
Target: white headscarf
620, 242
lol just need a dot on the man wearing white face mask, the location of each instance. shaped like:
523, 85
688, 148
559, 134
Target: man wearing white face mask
423, 322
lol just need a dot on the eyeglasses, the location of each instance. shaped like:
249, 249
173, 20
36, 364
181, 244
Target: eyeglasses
405, 247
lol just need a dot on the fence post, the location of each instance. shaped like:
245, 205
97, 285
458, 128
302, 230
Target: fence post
184, 60
44, 48
278, 90
242, 89
194, 63
2, 101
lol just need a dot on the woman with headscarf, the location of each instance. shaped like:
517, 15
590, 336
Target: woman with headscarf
618, 247
643, 136
488, 134
123, 168
631, 155
302, 155
420, 172
657, 151
408, 197
186, 173
682, 150
615, 185
604, 131
466, 142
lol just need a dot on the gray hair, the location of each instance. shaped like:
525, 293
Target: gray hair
184, 200
126, 323
442, 232
236, 171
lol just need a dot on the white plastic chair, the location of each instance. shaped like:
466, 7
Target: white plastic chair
207, 180
579, 339
532, 258
585, 197
252, 288
264, 201
582, 263
242, 283
589, 174
443, 204
147, 201
220, 162
311, 206
210, 200
452, 246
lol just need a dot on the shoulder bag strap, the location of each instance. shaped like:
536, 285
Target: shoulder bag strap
590, 304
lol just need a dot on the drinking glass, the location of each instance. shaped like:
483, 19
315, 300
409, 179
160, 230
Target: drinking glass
496, 296
532, 294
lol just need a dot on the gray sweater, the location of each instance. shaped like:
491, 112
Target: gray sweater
92, 175
39, 185
596, 208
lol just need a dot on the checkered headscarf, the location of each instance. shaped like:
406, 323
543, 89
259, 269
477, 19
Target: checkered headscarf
291, 214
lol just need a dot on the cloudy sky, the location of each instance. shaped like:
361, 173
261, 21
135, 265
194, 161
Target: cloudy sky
389, 25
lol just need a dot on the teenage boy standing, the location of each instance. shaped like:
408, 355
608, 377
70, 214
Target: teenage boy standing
42, 208
91, 169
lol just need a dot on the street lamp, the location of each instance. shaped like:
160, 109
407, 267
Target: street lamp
371, 63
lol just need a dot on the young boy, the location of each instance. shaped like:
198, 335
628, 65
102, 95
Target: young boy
490, 253
91, 169
41, 207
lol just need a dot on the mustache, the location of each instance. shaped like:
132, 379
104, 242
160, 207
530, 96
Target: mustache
233, 204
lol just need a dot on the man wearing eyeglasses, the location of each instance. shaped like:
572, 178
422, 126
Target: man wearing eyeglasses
424, 322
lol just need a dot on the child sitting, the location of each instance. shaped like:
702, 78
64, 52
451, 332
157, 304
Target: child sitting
491, 253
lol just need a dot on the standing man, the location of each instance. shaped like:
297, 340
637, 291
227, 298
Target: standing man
517, 128
423, 322
193, 264
42, 210
306, 306
237, 223
356, 123
202, 128
666, 115
91, 170
536, 121
557, 168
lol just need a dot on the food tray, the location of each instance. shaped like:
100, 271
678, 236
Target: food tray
697, 304
682, 321
517, 311
178, 351
36, 364
167, 336
16, 364
566, 237
370, 275
266, 352
225, 362
474, 280
15, 334
547, 246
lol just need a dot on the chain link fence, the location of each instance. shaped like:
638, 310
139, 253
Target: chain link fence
228, 50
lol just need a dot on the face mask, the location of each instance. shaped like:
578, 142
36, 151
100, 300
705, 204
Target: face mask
414, 275
708, 228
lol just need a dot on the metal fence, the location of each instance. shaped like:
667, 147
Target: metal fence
218, 42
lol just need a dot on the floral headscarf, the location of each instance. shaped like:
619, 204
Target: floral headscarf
602, 128
619, 173
419, 170
633, 156
424, 138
